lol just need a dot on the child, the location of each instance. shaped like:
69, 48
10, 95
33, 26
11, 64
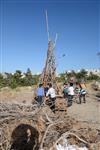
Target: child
82, 95
70, 94
65, 90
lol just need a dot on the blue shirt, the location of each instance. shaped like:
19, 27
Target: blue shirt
40, 91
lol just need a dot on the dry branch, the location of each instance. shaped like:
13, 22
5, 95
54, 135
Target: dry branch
54, 129
64, 136
48, 127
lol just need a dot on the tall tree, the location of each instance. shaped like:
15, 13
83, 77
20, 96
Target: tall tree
28, 77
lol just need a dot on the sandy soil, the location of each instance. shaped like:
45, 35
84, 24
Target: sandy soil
87, 112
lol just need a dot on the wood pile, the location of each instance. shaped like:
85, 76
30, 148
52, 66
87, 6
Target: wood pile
61, 104
48, 128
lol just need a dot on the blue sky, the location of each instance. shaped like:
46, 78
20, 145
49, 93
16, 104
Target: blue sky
24, 38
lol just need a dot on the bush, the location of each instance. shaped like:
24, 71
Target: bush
93, 77
13, 84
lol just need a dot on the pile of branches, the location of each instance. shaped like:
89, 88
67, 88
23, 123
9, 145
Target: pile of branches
52, 128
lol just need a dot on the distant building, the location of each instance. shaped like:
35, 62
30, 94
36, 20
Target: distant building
94, 71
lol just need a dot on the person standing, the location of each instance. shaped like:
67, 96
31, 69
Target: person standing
65, 91
46, 88
52, 97
77, 91
40, 94
82, 95
70, 94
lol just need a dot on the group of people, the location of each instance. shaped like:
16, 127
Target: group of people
44, 93
71, 90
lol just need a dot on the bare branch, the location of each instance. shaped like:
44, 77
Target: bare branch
65, 135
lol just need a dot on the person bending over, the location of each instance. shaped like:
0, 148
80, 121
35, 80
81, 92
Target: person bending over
52, 97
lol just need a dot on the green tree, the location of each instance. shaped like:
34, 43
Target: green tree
82, 74
1, 81
28, 73
7, 79
93, 77
61, 77
17, 75
13, 83
29, 77
36, 79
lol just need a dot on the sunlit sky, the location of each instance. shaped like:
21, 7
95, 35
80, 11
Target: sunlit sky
24, 42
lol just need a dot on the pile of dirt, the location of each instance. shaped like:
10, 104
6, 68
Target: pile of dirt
46, 127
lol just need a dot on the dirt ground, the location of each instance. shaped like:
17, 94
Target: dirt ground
86, 112
80, 119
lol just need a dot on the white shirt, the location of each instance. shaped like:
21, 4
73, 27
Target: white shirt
70, 90
51, 92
